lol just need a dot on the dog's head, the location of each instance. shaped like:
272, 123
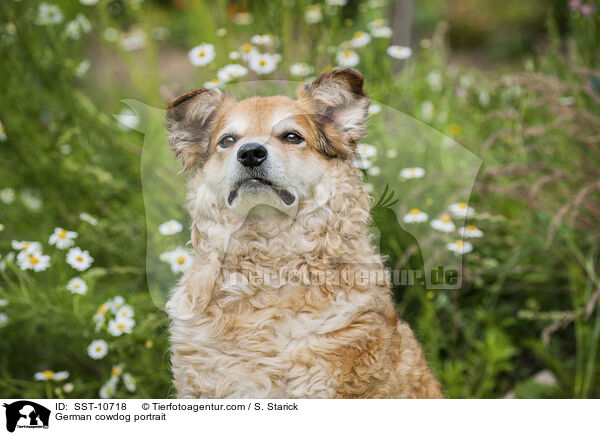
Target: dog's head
267, 151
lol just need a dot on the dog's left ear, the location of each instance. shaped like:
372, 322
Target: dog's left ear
341, 107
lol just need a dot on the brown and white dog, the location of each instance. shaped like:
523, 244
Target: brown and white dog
272, 189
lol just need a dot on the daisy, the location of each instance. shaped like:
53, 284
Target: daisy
337, 2
2, 133
263, 63
88, 218
235, 55
264, 40
366, 151
443, 223
133, 40
68, 387
115, 303
170, 227
63, 239
374, 109
411, 173
27, 246
202, 54
247, 50
48, 15
347, 58
1, 227
31, 200
80, 71
399, 52
179, 259
116, 371
391, 154
118, 327
78, 259
313, 14
300, 69
3, 303
460, 247
3, 320
212, 84
77, 286
231, 72
362, 163
374, 171
125, 312
360, 39
128, 120
427, 111
129, 382
382, 32
461, 209
97, 349
109, 389
415, 215
242, 18
88, 2
7, 195
35, 261
470, 231
434, 79
48, 375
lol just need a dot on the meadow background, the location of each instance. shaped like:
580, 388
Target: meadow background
516, 83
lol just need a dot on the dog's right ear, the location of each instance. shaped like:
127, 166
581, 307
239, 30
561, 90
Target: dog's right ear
189, 120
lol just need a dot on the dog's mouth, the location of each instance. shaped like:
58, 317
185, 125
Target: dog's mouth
258, 183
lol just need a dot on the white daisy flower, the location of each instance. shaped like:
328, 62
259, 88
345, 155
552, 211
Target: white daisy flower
129, 382
399, 52
31, 200
202, 54
115, 303
461, 209
48, 375
427, 111
63, 239
7, 195
78, 259
27, 246
369, 187
263, 63
125, 312
48, 15
347, 58
170, 227
68, 387
313, 14
242, 18
391, 154
179, 259
414, 216
116, 371
366, 151
118, 327
360, 39
109, 389
1, 227
212, 84
337, 2
411, 173
128, 120
374, 109
300, 69
97, 349
264, 40
35, 261
247, 50
231, 72
235, 55
484, 98
3, 320
88, 2
443, 223
374, 171
133, 40
362, 163
470, 231
379, 22
77, 286
382, 32
3, 303
434, 79
88, 218
460, 247
2, 133
80, 71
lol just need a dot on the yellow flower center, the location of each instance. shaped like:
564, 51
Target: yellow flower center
181, 260
462, 205
98, 349
262, 63
33, 260
115, 371
471, 228
48, 374
121, 326
459, 243
358, 34
102, 308
246, 48
201, 54
415, 211
347, 53
80, 259
446, 219
62, 234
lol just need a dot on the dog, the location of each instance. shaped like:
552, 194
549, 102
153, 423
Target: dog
272, 188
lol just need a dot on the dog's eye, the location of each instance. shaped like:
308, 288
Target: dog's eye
291, 137
227, 141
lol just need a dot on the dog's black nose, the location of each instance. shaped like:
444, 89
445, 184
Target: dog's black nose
252, 154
